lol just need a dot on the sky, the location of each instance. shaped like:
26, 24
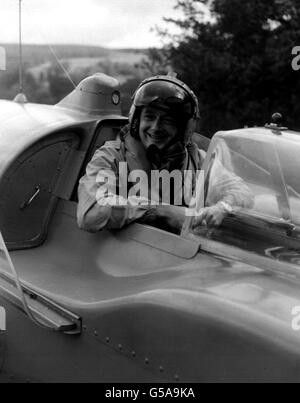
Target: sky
109, 23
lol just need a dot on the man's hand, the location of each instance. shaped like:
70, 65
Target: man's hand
167, 217
211, 216
172, 218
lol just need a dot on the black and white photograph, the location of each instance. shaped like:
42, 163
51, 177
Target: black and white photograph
149, 194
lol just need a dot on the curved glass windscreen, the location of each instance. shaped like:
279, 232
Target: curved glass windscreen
258, 177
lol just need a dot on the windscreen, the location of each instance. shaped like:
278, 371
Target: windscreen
4, 264
268, 170
259, 179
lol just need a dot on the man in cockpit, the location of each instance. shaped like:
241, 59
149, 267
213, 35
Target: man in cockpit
162, 121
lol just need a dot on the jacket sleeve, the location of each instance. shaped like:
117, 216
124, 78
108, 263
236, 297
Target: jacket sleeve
99, 193
226, 186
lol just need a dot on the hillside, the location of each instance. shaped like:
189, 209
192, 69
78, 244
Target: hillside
45, 80
38, 54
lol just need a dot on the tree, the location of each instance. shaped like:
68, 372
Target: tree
236, 55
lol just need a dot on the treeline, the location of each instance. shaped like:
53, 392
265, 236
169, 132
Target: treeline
48, 81
236, 55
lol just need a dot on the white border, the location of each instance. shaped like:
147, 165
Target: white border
2, 319
2, 58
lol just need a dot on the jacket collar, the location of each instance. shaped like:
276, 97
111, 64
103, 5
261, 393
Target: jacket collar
135, 154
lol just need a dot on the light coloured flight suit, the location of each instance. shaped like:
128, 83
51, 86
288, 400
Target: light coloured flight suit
99, 209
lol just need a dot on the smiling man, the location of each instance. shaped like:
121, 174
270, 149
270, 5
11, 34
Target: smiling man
156, 143
158, 127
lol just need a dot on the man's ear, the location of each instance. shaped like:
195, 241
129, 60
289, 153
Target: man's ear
135, 128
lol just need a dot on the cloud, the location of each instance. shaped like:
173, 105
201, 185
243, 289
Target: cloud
115, 23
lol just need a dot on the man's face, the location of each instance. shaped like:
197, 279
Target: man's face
158, 127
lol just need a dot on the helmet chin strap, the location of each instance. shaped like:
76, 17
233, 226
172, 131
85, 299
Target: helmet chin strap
153, 154
170, 158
